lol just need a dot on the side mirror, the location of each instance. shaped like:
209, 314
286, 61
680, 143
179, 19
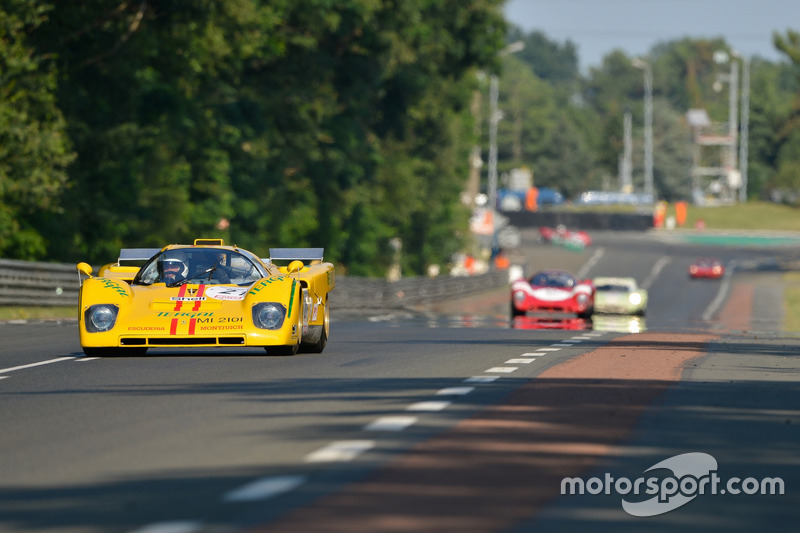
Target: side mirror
84, 268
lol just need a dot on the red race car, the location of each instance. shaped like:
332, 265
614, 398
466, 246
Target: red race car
552, 291
565, 237
706, 267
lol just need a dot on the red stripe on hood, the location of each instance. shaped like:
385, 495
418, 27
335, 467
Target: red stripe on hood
200, 290
181, 294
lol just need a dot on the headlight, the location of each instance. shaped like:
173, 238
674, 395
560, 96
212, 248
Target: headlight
100, 317
582, 298
268, 315
635, 298
519, 297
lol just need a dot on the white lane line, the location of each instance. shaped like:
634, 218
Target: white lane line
502, 369
455, 391
520, 361
572, 341
481, 379
428, 406
657, 268
721, 294
82, 359
561, 345
594, 334
391, 423
533, 354
583, 338
40, 363
3, 377
549, 349
264, 488
590, 263
182, 526
340, 450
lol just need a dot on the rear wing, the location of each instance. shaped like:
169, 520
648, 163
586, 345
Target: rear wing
130, 255
294, 254
128, 263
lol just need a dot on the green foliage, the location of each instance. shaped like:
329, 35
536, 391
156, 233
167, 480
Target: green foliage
339, 124
34, 151
278, 123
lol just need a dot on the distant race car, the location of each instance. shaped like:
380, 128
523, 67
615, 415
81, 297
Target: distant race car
619, 295
552, 291
706, 267
206, 295
564, 237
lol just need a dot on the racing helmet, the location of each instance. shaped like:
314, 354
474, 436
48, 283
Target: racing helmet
171, 259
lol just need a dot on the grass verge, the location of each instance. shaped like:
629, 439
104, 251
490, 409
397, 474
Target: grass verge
38, 313
791, 302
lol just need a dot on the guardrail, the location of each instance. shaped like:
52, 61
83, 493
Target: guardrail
25, 283
29, 283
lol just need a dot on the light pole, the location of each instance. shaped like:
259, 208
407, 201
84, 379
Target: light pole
732, 166
648, 124
745, 127
495, 115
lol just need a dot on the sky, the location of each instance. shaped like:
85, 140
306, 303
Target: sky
597, 27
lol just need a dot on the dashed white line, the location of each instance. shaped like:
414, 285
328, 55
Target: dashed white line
520, 361
590, 263
340, 451
657, 268
455, 391
182, 526
82, 359
481, 379
584, 338
549, 349
3, 377
391, 423
40, 363
264, 488
428, 406
723, 291
533, 354
571, 341
502, 369
560, 345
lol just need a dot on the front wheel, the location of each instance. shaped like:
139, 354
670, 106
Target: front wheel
516, 312
322, 340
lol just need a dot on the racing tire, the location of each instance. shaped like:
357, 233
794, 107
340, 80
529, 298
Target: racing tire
516, 312
319, 346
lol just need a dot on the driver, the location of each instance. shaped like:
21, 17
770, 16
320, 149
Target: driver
172, 267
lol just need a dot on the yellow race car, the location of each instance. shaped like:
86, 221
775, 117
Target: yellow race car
206, 295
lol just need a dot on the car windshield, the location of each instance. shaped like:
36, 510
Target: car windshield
612, 287
211, 266
553, 279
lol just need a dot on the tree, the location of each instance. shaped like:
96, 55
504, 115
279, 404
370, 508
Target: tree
34, 150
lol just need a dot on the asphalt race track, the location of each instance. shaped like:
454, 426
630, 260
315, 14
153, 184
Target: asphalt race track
438, 419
